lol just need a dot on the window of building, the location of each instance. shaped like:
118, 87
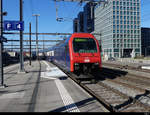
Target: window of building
120, 21
118, 31
124, 35
117, 7
128, 36
114, 45
134, 13
137, 50
120, 7
113, 21
113, 2
114, 12
125, 45
120, 3
134, 45
113, 7
117, 21
125, 40
114, 31
120, 12
116, 50
114, 35
124, 3
128, 40
117, 17
117, 12
128, 45
124, 12
117, 26
124, 26
117, 2
124, 8
114, 26
117, 45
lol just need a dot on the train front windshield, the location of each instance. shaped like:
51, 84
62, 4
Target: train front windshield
84, 45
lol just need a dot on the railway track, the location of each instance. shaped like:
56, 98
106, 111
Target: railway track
111, 98
139, 85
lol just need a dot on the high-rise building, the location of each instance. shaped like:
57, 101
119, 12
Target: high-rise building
118, 22
75, 25
89, 17
80, 22
145, 41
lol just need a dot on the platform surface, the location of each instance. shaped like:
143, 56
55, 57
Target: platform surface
43, 88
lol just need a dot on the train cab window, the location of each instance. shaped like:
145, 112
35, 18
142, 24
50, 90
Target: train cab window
84, 45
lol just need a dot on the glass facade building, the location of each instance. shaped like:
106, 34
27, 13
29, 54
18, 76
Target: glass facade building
118, 22
80, 27
89, 17
145, 41
75, 25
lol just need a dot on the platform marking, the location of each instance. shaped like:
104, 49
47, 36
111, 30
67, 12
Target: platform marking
67, 100
12, 95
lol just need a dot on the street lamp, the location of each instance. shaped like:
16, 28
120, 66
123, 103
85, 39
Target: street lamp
36, 15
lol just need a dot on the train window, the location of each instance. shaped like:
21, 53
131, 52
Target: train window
84, 45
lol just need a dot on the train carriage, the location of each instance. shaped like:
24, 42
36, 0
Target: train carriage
79, 53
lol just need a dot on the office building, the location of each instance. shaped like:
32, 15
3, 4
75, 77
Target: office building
145, 41
75, 25
118, 22
89, 17
80, 22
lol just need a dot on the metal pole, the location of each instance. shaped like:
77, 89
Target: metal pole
37, 37
36, 15
1, 44
30, 40
21, 40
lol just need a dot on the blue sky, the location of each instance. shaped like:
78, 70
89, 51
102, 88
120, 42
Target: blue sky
47, 20
46, 9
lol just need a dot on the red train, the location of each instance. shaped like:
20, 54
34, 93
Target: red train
79, 53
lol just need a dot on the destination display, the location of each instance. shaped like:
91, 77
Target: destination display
81, 39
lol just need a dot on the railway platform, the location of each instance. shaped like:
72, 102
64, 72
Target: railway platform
43, 88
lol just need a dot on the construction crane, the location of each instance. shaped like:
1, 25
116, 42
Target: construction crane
80, 2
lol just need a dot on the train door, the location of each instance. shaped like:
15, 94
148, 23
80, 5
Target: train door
67, 57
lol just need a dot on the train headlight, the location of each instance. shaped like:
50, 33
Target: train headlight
96, 63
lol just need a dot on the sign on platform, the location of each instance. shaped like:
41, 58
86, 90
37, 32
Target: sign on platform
13, 25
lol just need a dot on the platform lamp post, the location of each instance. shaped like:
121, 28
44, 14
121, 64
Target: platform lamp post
37, 52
